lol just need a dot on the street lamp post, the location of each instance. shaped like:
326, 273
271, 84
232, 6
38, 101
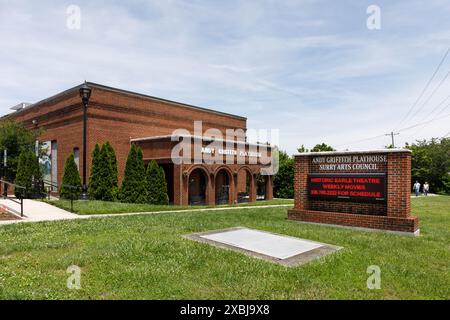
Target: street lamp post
85, 94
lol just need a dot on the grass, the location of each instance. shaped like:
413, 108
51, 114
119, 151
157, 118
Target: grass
106, 207
146, 257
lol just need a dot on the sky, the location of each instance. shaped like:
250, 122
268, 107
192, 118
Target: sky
313, 70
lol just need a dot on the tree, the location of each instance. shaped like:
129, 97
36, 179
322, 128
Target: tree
317, 148
431, 162
302, 149
283, 181
114, 172
94, 178
156, 184
105, 190
28, 175
134, 185
15, 138
322, 147
71, 182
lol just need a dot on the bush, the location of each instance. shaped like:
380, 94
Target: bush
283, 181
156, 184
134, 185
114, 175
71, 177
94, 178
28, 176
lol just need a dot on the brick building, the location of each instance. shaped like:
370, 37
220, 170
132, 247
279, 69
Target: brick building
122, 118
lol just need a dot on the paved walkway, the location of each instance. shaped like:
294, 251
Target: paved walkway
36, 211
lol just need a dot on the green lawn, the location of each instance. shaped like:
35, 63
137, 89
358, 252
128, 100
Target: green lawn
146, 257
104, 207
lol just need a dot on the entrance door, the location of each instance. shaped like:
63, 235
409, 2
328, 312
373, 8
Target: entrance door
197, 187
222, 185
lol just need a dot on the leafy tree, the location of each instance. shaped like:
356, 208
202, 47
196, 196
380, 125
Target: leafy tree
156, 184
134, 185
302, 149
15, 138
95, 178
322, 147
283, 181
28, 175
317, 148
431, 162
71, 177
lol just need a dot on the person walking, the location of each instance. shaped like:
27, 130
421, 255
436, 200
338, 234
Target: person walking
416, 188
426, 188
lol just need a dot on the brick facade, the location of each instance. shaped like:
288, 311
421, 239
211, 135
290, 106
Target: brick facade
120, 116
392, 214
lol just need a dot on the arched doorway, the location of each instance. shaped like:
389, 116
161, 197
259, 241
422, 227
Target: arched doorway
244, 185
222, 187
261, 185
197, 187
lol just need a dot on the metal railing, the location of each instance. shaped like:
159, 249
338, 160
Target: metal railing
50, 187
18, 198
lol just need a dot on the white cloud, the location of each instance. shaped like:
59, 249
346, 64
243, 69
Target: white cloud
309, 68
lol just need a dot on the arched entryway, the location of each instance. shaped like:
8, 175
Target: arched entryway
261, 186
197, 187
244, 185
222, 186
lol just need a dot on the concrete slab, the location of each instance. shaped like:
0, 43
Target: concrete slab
285, 250
276, 246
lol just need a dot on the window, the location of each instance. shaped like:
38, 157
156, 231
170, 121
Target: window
76, 155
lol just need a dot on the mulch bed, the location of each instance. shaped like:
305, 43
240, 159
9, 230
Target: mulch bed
5, 215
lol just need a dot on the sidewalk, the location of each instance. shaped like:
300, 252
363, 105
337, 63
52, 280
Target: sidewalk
36, 211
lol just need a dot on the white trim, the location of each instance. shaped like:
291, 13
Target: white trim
195, 137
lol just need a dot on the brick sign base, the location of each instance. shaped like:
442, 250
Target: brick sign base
369, 189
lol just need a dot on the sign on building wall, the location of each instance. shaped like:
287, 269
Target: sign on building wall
48, 162
45, 160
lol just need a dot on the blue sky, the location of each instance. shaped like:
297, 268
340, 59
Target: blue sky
311, 69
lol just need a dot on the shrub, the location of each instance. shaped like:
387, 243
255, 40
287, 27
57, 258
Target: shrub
114, 176
28, 175
134, 186
156, 184
71, 177
94, 178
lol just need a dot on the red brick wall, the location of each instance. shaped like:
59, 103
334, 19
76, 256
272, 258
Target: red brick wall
115, 117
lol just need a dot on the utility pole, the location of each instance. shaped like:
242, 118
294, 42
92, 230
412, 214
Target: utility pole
392, 134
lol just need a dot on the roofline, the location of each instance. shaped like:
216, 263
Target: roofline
175, 137
335, 153
126, 92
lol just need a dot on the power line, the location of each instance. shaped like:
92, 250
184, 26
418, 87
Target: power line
361, 140
424, 123
437, 115
400, 130
432, 94
425, 88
